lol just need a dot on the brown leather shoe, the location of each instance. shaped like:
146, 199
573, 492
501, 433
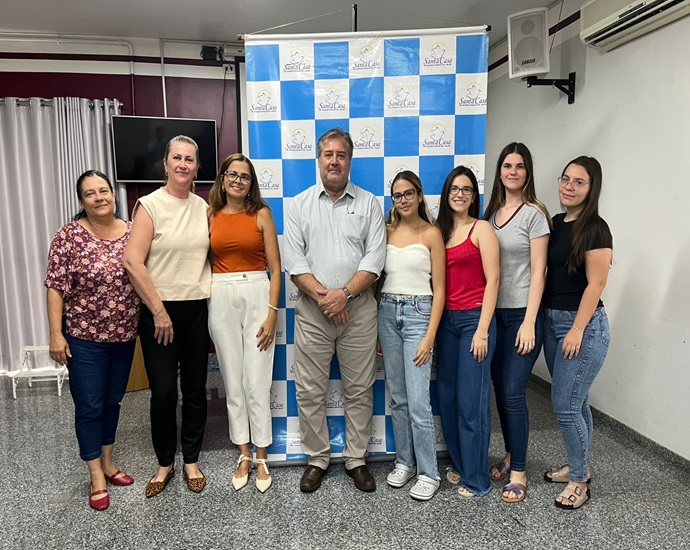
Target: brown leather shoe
362, 477
311, 479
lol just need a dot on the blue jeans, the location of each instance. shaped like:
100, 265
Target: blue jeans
510, 373
464, 396
571, 380
98, 376
403, 322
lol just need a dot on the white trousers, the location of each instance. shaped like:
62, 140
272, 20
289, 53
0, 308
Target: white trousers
237, 307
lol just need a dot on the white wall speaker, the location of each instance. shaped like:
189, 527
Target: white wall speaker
528, 48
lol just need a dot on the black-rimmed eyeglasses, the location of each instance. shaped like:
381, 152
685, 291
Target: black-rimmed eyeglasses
408, 195
234, 176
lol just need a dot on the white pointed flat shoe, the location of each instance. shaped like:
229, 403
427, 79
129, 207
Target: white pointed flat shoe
263, 484
239, 482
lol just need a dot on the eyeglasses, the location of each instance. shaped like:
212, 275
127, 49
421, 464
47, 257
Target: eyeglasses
409, 195
234, 176
577, 183
454, 190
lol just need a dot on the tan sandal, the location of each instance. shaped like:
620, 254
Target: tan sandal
562, 475
574, 497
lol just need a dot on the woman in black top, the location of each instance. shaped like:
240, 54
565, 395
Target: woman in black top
577, 329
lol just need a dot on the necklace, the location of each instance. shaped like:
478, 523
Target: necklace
110, 230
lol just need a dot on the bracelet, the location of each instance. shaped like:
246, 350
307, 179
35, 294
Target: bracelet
274, 308
485, 338
577, 329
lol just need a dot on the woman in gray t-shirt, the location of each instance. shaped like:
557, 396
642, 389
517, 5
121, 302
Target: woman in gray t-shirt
521, 223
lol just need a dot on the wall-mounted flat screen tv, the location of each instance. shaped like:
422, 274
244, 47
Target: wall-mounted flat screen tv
139, 146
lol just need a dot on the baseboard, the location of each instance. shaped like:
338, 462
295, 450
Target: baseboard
624, 432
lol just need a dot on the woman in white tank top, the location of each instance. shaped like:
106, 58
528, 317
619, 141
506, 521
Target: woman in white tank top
412, 300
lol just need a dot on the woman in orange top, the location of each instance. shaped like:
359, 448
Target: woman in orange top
243, 309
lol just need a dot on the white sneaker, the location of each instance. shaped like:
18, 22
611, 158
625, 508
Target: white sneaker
425, 488
400, 475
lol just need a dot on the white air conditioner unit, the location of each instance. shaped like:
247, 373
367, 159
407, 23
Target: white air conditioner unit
606, 24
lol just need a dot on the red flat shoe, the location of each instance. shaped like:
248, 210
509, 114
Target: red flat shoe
120, 478
100, 503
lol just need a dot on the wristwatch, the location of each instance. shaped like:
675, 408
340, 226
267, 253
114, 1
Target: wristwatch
348, 297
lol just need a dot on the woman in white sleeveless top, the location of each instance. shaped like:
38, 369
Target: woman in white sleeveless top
412, 299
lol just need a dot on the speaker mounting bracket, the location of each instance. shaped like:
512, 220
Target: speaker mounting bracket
565, 85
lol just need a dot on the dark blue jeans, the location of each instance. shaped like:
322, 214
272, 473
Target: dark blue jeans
510, 373
464, 396
98, 376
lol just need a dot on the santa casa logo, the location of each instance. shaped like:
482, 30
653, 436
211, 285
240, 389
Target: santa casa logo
402, 98
367, 139
399, 168
366, 60
332, 101
267, 181
298, 63
291, 369
437, 56
476, 171
473, 96
335, 400
262, 103
298, 141
292, 297
274, 403
438, 433
375, 439
436, 137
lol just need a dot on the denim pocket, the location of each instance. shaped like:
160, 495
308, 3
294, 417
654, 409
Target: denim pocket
423, 307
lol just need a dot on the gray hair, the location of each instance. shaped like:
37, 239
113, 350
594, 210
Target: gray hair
335, 133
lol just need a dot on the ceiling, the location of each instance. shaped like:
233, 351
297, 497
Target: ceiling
222, 20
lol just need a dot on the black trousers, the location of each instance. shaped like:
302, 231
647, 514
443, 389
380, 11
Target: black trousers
189, 351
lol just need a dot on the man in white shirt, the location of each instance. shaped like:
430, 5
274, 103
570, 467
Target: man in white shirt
335, 245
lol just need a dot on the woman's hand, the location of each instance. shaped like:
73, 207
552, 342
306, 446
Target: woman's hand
424, 352
479, 347
163, 327
267, 331
572, 342
525, 340
59, 349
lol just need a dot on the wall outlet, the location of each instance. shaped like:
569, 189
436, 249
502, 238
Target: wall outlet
228, 68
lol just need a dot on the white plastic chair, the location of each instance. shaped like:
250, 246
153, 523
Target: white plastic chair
36, 365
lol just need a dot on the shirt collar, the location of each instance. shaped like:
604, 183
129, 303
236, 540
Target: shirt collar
350, 190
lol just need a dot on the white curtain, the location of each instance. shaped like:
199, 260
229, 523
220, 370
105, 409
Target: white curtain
44, 146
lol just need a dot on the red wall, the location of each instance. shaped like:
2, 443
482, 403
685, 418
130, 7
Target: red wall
186, 98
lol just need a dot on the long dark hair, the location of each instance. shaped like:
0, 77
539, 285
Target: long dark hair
528, 194
588, 228
80, 192
423, 210
253, 202
445, 220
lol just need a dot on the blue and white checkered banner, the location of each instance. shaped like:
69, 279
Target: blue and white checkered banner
412, 100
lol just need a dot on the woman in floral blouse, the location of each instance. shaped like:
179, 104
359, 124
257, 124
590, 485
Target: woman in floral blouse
93, 312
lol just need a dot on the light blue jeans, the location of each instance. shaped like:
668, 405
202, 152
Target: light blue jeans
571, 380
403, 322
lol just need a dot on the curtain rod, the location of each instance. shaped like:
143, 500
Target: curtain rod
23, 102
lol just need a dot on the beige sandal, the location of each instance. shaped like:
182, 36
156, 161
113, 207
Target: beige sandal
562, 475
574, 497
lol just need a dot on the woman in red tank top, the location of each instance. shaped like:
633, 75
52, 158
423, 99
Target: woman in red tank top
466, 337
243, 309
